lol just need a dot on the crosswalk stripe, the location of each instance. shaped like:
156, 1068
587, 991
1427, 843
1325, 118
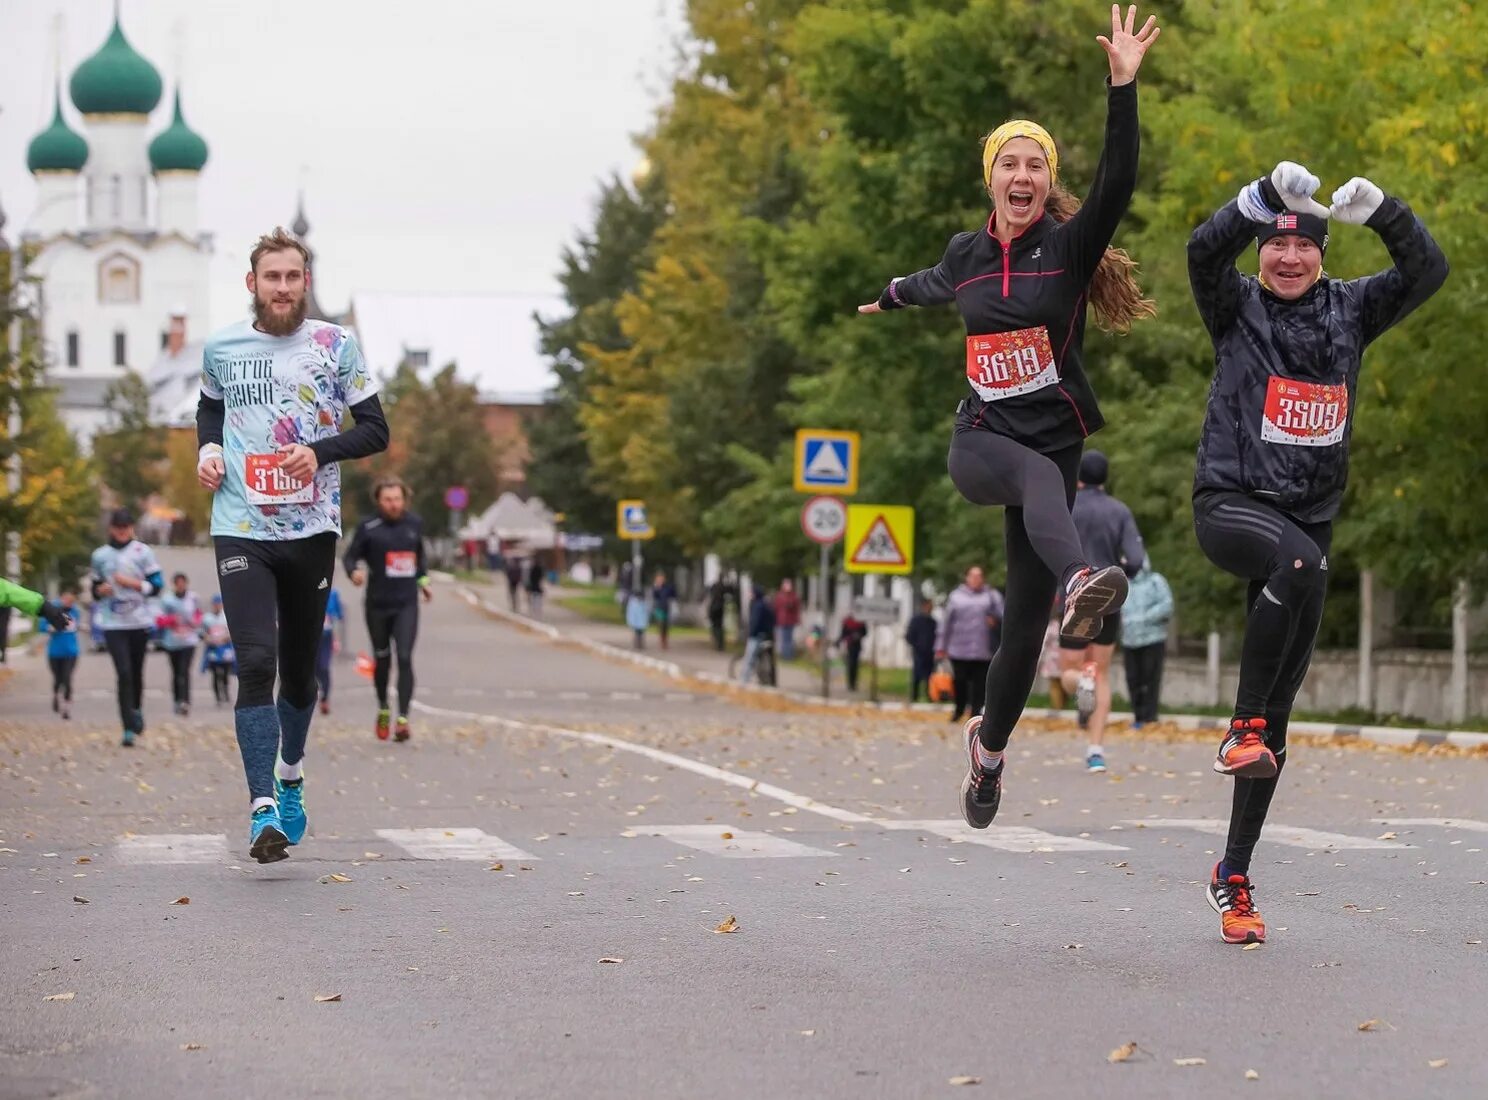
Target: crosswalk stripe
1440, 822
174, 848
1007, 838
1274, 833
732, 843
466, 844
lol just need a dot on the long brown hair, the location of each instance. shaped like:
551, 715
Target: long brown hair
1114, 291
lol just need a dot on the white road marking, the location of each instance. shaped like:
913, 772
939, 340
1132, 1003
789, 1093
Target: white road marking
697, 767
465, 844
1274, 833
174, 848
1440, 822
1007, 838
738, 844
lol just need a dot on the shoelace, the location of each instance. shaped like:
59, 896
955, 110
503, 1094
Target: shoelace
1240, 902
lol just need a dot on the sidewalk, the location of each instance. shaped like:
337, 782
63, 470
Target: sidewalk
693, 655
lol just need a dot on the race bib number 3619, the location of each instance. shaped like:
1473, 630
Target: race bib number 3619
1304, 414
1000, 365
266, 483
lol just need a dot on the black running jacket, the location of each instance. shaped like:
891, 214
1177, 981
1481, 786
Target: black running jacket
1286, 373
1024, 303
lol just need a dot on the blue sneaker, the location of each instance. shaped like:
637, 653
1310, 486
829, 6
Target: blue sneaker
128, 738
1095, 762
290, 794
266, 840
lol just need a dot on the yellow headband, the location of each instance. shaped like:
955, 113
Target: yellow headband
1018, 127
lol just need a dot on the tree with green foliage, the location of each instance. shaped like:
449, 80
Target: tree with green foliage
132, 453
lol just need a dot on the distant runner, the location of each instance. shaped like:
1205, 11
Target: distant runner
125, 577
387, 555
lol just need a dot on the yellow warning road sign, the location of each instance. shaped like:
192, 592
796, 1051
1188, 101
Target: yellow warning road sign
880, 538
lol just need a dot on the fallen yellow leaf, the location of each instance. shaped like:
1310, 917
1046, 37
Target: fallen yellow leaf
1250, 947
326, 998
83, 859
1122, 1053
729, 924
191, 1046
1386, 836
964, 1080
1437, 1063
727, 836
1189, 1062
1252, 1075
182, 900
59, 996
1370, 1025
497, 867
338, 877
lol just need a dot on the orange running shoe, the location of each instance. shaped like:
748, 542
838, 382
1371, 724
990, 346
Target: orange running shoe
384, 724
1243, 752
1238, 920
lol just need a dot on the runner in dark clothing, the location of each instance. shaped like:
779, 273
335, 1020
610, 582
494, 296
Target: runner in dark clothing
1022, 284
387, 554
1273, 457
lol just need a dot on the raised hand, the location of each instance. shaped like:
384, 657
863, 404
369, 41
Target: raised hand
1356, 201
1125, 49
1296, 186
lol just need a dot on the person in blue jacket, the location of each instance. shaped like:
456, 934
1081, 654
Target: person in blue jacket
335, 615
62, 653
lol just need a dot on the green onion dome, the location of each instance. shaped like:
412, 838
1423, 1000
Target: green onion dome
178, 148
116, 80
58, 148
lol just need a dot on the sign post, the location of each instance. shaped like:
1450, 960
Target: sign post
824, 519
631, 522
456, 499
876, 611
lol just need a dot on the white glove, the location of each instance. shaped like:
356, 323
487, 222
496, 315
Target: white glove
1296, 186
1356, 201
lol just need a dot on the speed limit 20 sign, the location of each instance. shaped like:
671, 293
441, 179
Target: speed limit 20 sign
824, 519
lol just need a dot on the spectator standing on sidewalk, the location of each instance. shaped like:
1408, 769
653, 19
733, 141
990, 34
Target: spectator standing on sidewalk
920, 636
850, 637
534, 587
787, 618
513, 580
663, 597
965, 637
1144, 641
637, 615
718, 593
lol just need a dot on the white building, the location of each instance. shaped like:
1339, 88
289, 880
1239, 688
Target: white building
119, 251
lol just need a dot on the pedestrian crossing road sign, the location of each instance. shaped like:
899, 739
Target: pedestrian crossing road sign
826, 461
631, 521
880, 538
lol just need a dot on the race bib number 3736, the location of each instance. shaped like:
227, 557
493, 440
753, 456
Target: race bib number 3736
1304, 414
1000, 365
266, 483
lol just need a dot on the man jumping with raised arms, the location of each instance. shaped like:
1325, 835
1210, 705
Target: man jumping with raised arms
275, 391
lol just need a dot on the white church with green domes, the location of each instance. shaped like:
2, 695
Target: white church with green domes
120, 253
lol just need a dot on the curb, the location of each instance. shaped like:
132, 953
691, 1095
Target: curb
1379, 735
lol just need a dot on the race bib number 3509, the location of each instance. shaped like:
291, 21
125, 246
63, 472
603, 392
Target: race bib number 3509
1000, 365
1304, 414
267, 484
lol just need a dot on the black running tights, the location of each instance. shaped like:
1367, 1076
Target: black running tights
1038, 491
127, 648
393, 627
1286, 563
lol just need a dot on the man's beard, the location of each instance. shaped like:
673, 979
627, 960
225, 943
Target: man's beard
275, 324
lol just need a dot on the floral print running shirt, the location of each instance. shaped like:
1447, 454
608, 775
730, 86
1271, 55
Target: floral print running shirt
279, 390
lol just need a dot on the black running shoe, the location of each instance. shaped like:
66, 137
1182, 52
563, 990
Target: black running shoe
1096, 594
981, 790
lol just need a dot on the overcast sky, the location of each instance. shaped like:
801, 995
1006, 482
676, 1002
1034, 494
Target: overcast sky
444, 145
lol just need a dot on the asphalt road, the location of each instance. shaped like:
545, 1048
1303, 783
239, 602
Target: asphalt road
462, 896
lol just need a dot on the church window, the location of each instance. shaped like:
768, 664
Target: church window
118, 280
72, 348
120, 358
